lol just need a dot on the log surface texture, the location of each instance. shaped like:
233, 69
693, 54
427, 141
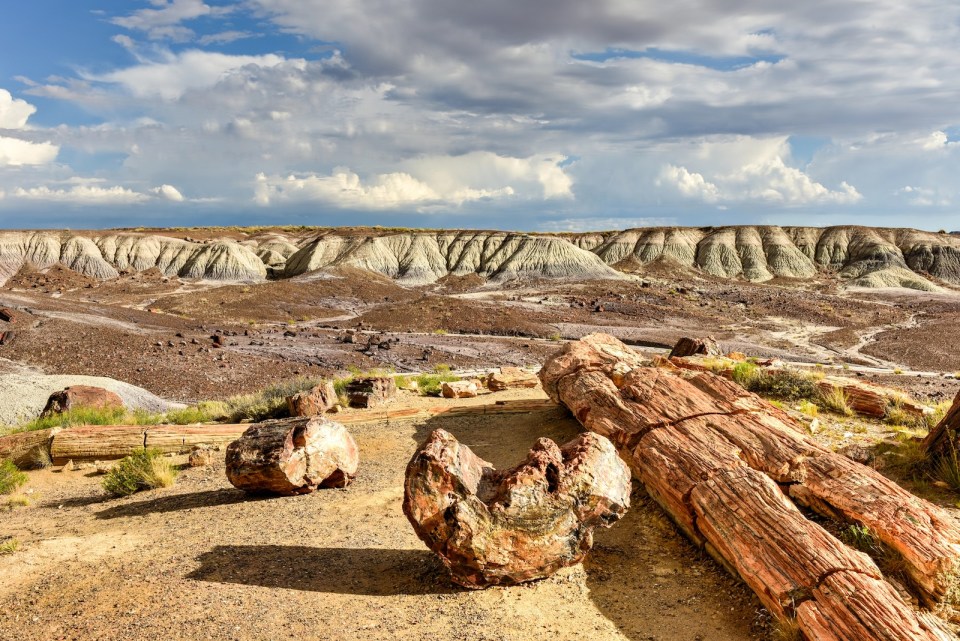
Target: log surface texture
730, 468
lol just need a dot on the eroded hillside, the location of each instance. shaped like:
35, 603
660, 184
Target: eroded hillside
858, 256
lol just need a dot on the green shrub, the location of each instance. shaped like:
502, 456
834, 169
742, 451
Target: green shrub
144, 470
786, 384
808, 408
430, 384
744, 374
11, 478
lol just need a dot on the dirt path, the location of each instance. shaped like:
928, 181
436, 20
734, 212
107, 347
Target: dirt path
203, 561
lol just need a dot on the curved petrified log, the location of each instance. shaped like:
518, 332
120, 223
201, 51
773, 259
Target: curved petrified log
493, 528
292, 456
729, 467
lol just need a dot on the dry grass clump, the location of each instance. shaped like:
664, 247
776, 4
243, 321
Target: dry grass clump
78, 416
947, 469
835, 400
9, 546
11, 478
144, 470
786, 629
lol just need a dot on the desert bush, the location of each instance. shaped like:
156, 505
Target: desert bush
11, 478
744, 373
270, 402
430, 384
786, 384
835, 400
144, 470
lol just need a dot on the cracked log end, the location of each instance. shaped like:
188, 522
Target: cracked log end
292, 456
522, 524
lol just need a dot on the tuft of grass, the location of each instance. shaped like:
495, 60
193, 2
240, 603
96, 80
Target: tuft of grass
555, 336
9, 546
835, 400
898, 371
204, 412
430, 384
939, 411
808, 408
270, 402
440, 332
144, 470
78, 416
786, 629
11, 478
861, 537
909, 459
745, 373
17, 501
947, 469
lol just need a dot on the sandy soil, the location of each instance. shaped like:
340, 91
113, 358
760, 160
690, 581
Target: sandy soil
203, 561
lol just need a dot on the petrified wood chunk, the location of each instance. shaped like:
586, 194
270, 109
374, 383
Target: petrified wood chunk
692, 346
729, 467
81, 396
511, 378
314, 401
458, 389
493, 528
371, 391
292, 456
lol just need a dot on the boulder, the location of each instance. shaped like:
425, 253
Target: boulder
314, 401
7, 337
502, 528
371, 391
459, 389
201, 456
511, 378
292, 456
81, 396
687, 346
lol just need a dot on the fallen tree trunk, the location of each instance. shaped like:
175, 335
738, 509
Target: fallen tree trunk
292, 456
723, 462
106, 442
28, 449
942, 439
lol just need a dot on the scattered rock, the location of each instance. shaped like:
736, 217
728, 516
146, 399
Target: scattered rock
201, 456
7, 315
692, 346
371, 391
314, 401
511, 378
292, 456
502, 528
80, 396
459, 389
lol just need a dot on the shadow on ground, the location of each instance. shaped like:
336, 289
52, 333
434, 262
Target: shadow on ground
177, 502
367, 571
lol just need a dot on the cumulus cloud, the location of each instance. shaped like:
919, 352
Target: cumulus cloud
749, 170
168, 192
91, 192
429, 182
14, 112
17, 153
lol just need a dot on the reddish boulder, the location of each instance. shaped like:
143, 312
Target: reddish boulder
292, 456
371, 391
81, 396
692, 346
313, 402
502, 528
511, 378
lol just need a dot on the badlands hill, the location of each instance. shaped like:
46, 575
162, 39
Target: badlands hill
861, 256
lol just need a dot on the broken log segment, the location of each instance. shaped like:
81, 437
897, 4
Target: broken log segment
292, 456
712, 455
507, 527
28, 449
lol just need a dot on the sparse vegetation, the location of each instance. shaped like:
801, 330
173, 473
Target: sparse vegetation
808, 408
555, 336
9, 546
947, 469
440, 332
16, 501
270, 402
430, 384
862, 538
835, 400
78, 416
11, 478
786, 629
144, 470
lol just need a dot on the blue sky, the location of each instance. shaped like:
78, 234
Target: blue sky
542, 115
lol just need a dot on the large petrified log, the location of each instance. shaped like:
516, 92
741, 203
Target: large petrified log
942, 439
493, 528
292, 456
725, 464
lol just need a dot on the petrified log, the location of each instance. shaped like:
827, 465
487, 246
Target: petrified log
687, 346
81, 396
371, 391
28, 449
292, 456
458, 389
511, 378
725, 465
942, 439
7, 315
314, 401
501, 528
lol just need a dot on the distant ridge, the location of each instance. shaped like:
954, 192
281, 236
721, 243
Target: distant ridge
861, 256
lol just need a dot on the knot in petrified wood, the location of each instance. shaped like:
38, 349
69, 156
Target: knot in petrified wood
292, 456
507, 527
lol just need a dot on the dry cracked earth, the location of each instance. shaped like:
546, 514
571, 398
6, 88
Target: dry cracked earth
202, 561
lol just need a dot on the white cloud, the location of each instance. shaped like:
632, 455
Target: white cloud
224, 37
605, 224
428, 182
174, 74
168, 192
689, 183
164, 21
17, 153
14, 112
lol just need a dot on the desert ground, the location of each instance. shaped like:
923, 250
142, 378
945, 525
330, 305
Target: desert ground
203, 560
